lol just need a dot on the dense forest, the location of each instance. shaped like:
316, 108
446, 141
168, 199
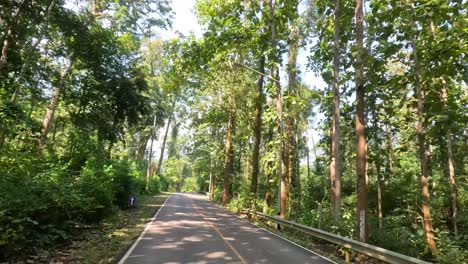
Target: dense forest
95, 106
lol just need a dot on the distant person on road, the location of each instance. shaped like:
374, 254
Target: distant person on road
131, 200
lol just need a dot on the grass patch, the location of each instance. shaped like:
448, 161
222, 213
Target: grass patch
108, 241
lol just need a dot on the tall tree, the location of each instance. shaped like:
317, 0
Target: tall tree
290, 147
258, 126
361, 148
163, 145
149, 166
427, 221
228, 148
335, 163
448, 134
49, 116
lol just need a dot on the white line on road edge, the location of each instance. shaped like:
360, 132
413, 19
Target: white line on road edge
294, 243
124, 258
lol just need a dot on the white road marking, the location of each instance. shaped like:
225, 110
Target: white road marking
124, 258
294, 243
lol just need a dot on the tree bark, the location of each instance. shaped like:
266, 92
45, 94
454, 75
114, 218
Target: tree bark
142, 143
9, 34
298, 174
228, 148
279, 109
388, 139
163, 146
268, 193
149, 167
452, 183
422, 151
332, 170
293, 42
258, 128
289, 163
450, 166
281, 169
49, 116
335, 164
315, 153
379, 194
212, 179
361, 148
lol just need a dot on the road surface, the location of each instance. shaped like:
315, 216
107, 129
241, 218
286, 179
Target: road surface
190, 229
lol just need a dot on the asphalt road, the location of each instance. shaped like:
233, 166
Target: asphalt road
190, 229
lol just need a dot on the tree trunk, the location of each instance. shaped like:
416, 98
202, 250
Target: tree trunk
335, 164
9, 34
289, 163
281, 170
361, 148
315, 153
173, 141
163, 146
388, 139
279, 109
149, 169
228, 148
142, 143
332, 170
268, 193
212, 178
293, 43
258, 128
453, 186
298, 174
49, 116
450, 166
422, 152
379, 193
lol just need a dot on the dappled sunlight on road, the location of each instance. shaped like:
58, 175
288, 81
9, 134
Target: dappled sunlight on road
190, 229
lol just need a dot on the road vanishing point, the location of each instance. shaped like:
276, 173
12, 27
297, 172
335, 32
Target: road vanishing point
190, 229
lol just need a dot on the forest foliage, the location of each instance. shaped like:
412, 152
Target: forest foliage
77, 101
379, 153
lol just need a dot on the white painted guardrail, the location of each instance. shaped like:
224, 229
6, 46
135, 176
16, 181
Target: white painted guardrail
366, 249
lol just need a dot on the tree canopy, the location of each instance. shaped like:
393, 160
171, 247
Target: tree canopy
94, 106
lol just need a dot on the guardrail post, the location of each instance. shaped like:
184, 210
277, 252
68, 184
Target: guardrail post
348, 245
278, 226
320, 216
347, 258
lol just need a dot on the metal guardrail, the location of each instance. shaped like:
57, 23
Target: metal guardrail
367, 249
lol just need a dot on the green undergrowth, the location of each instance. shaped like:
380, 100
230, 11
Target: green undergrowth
121, 230
398, 233
108, 241
46, 201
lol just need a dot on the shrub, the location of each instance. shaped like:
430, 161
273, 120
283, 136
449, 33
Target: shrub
42, 202
190, 185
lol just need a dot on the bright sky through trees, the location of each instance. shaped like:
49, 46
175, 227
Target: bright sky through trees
346, 115
185, 22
